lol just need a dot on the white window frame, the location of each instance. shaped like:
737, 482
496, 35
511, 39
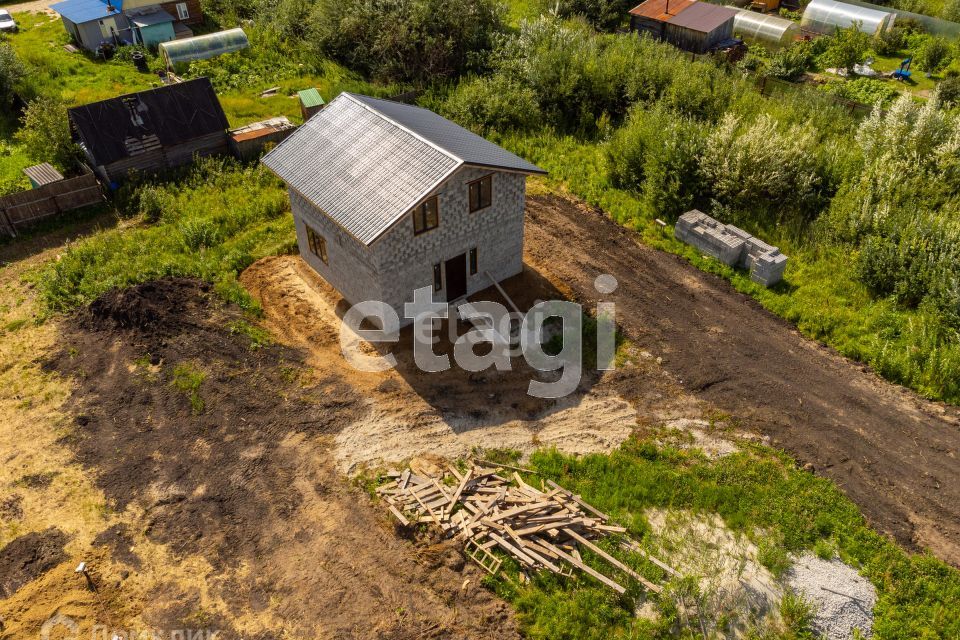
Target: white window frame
183, 11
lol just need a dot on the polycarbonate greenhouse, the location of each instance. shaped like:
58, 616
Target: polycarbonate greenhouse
826, 16
767, 30
202, 47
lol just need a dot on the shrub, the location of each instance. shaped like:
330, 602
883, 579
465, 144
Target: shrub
492, 104
46, 132
12, 72
846, 48
949, 90
416, 41
656, 153
933, 54
865, 90
791, 62
750, 165
605, 15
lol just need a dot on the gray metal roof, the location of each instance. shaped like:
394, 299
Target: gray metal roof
367, 162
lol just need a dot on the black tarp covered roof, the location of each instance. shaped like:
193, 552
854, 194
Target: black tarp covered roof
174, 113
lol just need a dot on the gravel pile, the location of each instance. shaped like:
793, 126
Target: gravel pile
842, 599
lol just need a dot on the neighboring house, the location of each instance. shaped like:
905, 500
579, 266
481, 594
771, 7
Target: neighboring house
389, 198
151, 130
93, 23
692, 26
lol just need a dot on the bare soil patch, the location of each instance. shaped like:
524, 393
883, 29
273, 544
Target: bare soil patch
894, 453
409, 412
248, 484
29, 557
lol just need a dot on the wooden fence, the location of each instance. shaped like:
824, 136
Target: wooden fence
20, 210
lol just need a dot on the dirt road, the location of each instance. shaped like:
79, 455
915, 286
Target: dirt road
893, 453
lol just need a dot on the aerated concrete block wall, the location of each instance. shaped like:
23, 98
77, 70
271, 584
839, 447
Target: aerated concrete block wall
732, 246
399, 262
405, 261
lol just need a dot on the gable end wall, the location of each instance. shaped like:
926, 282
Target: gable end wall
405, 261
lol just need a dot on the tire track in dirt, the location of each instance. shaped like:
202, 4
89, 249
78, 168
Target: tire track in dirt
894, 453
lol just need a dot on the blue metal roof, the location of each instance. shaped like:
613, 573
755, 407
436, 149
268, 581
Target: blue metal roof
80, 11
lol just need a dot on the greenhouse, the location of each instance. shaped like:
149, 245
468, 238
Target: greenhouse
184, 51
767, 30
826, 16
934, 26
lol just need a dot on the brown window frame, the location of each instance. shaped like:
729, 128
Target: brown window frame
474, 262
317, 244
421, 223
480, 203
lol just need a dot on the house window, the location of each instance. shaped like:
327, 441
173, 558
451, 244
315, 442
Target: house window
481, 193
318, 245
182, 12
437, 277
473, 261
426, 216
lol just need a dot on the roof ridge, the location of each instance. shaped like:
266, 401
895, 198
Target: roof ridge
355, 98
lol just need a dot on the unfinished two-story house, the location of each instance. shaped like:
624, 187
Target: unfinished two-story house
389, 198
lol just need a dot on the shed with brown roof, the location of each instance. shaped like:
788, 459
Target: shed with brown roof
687, 24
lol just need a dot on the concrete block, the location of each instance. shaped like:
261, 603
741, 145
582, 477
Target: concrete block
732, 246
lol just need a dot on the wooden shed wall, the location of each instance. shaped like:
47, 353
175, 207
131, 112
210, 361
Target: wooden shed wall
168, 157
697, 41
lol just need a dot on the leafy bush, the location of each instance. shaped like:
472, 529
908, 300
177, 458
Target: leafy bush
657, 153
605, 15
416, 41
933, 54
46, 132
865, 90
12, 71
791, 62
846, 48
749, 165
485, 105
949, 90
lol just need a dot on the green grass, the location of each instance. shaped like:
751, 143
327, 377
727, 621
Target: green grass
216, 220
518, 10
759, 493
819, 292
188, 379
79, 79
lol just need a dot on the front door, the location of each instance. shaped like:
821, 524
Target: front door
456, 269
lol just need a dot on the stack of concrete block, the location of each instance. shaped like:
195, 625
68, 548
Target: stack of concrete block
732, 246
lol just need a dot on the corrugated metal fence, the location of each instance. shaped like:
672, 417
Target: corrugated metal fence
20, 210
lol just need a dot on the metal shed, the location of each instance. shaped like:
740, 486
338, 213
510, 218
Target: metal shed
826, 16
203, 47
770, 31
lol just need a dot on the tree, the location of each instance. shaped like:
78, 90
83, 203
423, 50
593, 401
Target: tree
12, 72
418, 41
605, 15
45, 132
847, 48
933, 54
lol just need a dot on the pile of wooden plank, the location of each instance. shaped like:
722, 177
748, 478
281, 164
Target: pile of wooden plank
540, 528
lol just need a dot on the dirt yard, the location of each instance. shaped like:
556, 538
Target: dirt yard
894, 453
204, 476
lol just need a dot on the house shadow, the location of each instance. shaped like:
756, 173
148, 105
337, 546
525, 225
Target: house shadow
476, 399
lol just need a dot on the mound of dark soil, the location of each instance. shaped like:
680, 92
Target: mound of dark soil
29, 557
161, 306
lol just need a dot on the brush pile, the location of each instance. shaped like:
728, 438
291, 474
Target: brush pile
540, 529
